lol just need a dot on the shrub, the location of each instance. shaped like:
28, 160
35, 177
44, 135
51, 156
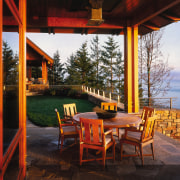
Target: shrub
84, 95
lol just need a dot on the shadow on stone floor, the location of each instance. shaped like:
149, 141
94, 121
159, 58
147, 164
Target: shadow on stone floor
45, 162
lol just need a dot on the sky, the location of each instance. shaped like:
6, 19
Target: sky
67, 44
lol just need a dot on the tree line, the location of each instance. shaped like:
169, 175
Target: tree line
102, 68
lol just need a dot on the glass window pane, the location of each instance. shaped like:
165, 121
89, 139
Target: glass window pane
12, 170
10, 78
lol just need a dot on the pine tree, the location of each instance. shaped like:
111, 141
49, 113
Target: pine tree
72, 72
95, 55
56, 73
119, 73
84, 66
108, 57
10, 65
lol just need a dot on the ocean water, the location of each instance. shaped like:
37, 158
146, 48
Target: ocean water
174, 92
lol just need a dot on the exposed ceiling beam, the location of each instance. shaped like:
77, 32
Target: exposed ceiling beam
60, 22
157, 7
172, 18
154, 28
14, 10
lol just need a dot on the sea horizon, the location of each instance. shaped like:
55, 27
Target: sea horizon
174, 90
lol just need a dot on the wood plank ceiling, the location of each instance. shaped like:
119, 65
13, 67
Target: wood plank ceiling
72, 16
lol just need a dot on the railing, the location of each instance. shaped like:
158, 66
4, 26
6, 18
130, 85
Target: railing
159, 102
104, 94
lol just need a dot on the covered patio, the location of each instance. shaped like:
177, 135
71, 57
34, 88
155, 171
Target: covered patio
118, 17
44, 160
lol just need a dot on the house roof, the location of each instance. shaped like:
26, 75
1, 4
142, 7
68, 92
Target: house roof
35, 55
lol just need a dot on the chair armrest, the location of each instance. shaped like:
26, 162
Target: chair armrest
66, 116
108, 132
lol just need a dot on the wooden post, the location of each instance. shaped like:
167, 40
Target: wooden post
22, 88
44, 71
1, 88
131, 69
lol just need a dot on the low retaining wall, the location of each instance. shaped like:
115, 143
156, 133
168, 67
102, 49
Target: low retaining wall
168, 123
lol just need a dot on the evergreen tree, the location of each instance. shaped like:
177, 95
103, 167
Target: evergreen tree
56, 73
10, 65
119, 73
71, 70
95, 55
108, 57
84, 66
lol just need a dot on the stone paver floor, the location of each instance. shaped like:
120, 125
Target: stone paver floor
45, 162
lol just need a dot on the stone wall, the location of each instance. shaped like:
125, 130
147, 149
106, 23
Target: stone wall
168, 123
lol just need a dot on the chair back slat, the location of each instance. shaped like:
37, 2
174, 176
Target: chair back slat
69, 109
91, 131
87, 133
148, 131
109, 106
147, 112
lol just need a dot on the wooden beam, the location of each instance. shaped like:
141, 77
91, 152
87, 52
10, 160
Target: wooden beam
71, 23
154, 28
172, 18
1, 88
38, 50
154, 8
14, 10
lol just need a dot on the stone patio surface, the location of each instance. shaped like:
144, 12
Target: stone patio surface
45, 162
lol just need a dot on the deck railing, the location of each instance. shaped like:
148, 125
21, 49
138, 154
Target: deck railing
158, 102
102, 93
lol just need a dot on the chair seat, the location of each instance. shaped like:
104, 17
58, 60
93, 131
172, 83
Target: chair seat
135, 135
68, 130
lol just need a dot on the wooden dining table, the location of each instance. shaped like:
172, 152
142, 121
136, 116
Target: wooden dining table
121, 120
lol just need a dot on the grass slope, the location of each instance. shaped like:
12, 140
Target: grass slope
40, 109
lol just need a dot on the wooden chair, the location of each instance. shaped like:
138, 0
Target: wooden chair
147, 112
66, 131
69, 111
110, 106
139, 138
92, 136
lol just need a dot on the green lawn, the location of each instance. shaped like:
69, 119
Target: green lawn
40, 109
